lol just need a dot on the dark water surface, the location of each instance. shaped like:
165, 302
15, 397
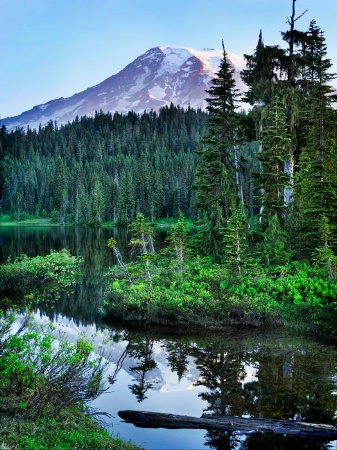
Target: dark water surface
251, 373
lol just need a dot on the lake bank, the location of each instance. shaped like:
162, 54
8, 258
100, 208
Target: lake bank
269, 372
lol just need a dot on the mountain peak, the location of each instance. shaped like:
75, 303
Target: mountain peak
162, 75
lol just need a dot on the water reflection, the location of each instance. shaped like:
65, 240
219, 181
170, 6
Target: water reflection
84, 302
266, 374
271, 375
140, 350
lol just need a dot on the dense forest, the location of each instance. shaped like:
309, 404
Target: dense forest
266, 251
263, 179
103, 168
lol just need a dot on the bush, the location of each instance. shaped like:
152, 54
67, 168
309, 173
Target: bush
41, 375
31, 276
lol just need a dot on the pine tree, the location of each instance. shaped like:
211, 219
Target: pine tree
263, 71
291, 91
142, 242
272, 179
216, 182
317, 177
235, 243
262, 74
177, 249
273, 247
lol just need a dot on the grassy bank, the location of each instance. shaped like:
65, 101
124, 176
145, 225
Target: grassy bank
71, 429
6, 220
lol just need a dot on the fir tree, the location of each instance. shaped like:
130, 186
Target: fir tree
317, 177
235, 243
272, 179
216, 182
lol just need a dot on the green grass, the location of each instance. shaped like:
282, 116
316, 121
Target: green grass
70, 430
167, 223
6, 220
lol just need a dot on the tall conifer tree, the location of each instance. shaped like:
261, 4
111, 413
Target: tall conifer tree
317, 177
216, 181
272, 179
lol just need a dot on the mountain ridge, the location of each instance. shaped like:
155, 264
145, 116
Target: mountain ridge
161, 76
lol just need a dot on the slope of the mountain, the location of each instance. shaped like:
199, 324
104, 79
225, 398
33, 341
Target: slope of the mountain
158, 77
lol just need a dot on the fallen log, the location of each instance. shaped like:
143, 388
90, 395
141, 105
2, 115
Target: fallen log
239, 425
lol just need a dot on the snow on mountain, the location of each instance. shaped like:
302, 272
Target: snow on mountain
158, 77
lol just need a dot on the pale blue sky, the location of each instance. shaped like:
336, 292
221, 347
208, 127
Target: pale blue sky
54, 48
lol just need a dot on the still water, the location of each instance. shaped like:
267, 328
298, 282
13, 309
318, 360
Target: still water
250, 373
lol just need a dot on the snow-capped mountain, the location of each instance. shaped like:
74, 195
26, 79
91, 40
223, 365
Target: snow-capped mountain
158, 77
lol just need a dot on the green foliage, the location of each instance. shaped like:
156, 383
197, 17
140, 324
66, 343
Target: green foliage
45, 380
70, 429
42, 374
204, 293
26, 277
295, 284
103, 168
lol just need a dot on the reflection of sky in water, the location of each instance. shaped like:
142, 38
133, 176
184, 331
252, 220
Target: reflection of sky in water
167, 393
179, 398
170, 395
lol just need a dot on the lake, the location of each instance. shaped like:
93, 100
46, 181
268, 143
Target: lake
245, 372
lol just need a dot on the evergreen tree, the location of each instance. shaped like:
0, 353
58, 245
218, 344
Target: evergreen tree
272, 179
60, 191
216, 182
143, 243
317, 177
177, 249
263, 70
273, 247
235, 243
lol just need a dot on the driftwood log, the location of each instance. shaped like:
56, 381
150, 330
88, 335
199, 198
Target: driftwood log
242, 425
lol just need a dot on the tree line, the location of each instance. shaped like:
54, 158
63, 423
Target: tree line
103, 168
265, 180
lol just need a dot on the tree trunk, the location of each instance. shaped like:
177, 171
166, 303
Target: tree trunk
146, 419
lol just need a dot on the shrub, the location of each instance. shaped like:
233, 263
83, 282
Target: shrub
39, 276
41, 375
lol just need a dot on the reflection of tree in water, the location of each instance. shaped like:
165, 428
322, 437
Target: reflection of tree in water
222, 370
177, 353
140, 349
283, 388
